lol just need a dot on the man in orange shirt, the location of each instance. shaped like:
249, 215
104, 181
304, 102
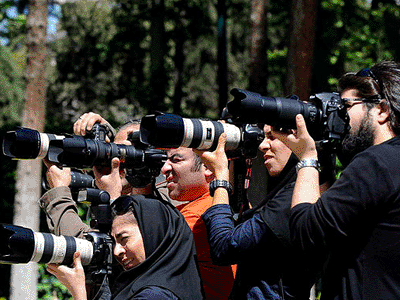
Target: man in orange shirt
188, 182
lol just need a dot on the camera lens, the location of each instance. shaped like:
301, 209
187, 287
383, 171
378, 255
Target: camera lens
249, 107
26, 143
172, 131
21, 245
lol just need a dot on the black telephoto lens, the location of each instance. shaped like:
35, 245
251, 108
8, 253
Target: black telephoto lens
26, 143
250, 107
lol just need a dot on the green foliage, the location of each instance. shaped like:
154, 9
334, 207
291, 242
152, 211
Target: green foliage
49, 287
100, 60
11, 88
84, 75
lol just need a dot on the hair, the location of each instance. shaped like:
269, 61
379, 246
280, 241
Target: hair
129, 211
129, 124
197, 163
386, 83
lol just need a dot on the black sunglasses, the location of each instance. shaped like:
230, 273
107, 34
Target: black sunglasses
367, 72
121, 205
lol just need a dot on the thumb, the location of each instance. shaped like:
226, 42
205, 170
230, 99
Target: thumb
77, 260
301, 125
222, 141
115, 165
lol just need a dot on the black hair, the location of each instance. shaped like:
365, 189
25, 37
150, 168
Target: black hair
197, 163
385, 82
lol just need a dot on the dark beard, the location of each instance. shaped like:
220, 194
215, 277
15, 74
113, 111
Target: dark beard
358, 141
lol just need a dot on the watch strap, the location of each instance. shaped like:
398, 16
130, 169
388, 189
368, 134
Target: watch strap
308, 163
220, 183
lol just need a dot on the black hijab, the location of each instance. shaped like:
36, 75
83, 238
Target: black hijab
170, 254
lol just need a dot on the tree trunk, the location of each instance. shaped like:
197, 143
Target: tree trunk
258, 51
301, 48
28, 185
179, 59
222, 73
157, 53
258, 83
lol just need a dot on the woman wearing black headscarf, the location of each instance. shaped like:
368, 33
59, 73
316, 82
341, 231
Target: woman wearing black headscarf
259, 243
155, 247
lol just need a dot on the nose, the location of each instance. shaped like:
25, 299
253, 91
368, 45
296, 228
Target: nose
265, 145
166, 168
118, 250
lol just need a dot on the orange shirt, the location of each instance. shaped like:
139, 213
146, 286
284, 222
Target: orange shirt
217, 280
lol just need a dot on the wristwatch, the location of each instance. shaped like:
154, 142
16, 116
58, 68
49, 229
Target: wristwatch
220, 183
308, 163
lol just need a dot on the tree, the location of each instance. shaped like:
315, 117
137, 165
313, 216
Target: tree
301, 48
259, 42
28, 184
157, 55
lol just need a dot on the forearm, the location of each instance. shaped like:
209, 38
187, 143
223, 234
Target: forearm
62, 213
220, 225
79, 294
307, 188
229, 243
221, 195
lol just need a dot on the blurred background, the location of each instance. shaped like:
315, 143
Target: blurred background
124, 59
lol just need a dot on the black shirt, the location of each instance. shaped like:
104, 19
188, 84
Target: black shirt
358, 222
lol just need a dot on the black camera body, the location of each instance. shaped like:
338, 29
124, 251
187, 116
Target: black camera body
326, 117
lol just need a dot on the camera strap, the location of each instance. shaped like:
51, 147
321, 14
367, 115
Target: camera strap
239, 201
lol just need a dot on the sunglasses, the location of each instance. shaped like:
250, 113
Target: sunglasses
350, 102
121, 205
367, 72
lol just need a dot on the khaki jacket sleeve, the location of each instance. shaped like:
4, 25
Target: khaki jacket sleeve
62, 213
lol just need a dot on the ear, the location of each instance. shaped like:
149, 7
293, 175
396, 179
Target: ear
208, 174
382, 113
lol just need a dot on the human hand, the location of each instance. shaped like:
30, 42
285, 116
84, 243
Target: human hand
109, 180
57, 176
86, 121
216, 161
72, 278
299, 141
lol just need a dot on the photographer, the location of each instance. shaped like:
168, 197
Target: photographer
267, 265
187, 182
60, 209
155, 247
357, 220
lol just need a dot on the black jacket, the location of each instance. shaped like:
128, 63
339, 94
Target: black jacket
358, 221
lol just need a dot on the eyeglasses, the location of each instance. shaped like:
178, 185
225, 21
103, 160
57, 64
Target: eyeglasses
350, 102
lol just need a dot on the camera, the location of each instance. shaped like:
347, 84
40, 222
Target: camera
81, 152
22, 245
326, 117
79, 180
163, 130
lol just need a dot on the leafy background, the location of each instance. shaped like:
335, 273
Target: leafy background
101, 58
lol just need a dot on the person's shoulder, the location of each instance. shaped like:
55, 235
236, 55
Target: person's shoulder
155, 293
385, 153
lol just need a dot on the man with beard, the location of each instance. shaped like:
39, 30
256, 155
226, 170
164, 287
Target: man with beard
356, 222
